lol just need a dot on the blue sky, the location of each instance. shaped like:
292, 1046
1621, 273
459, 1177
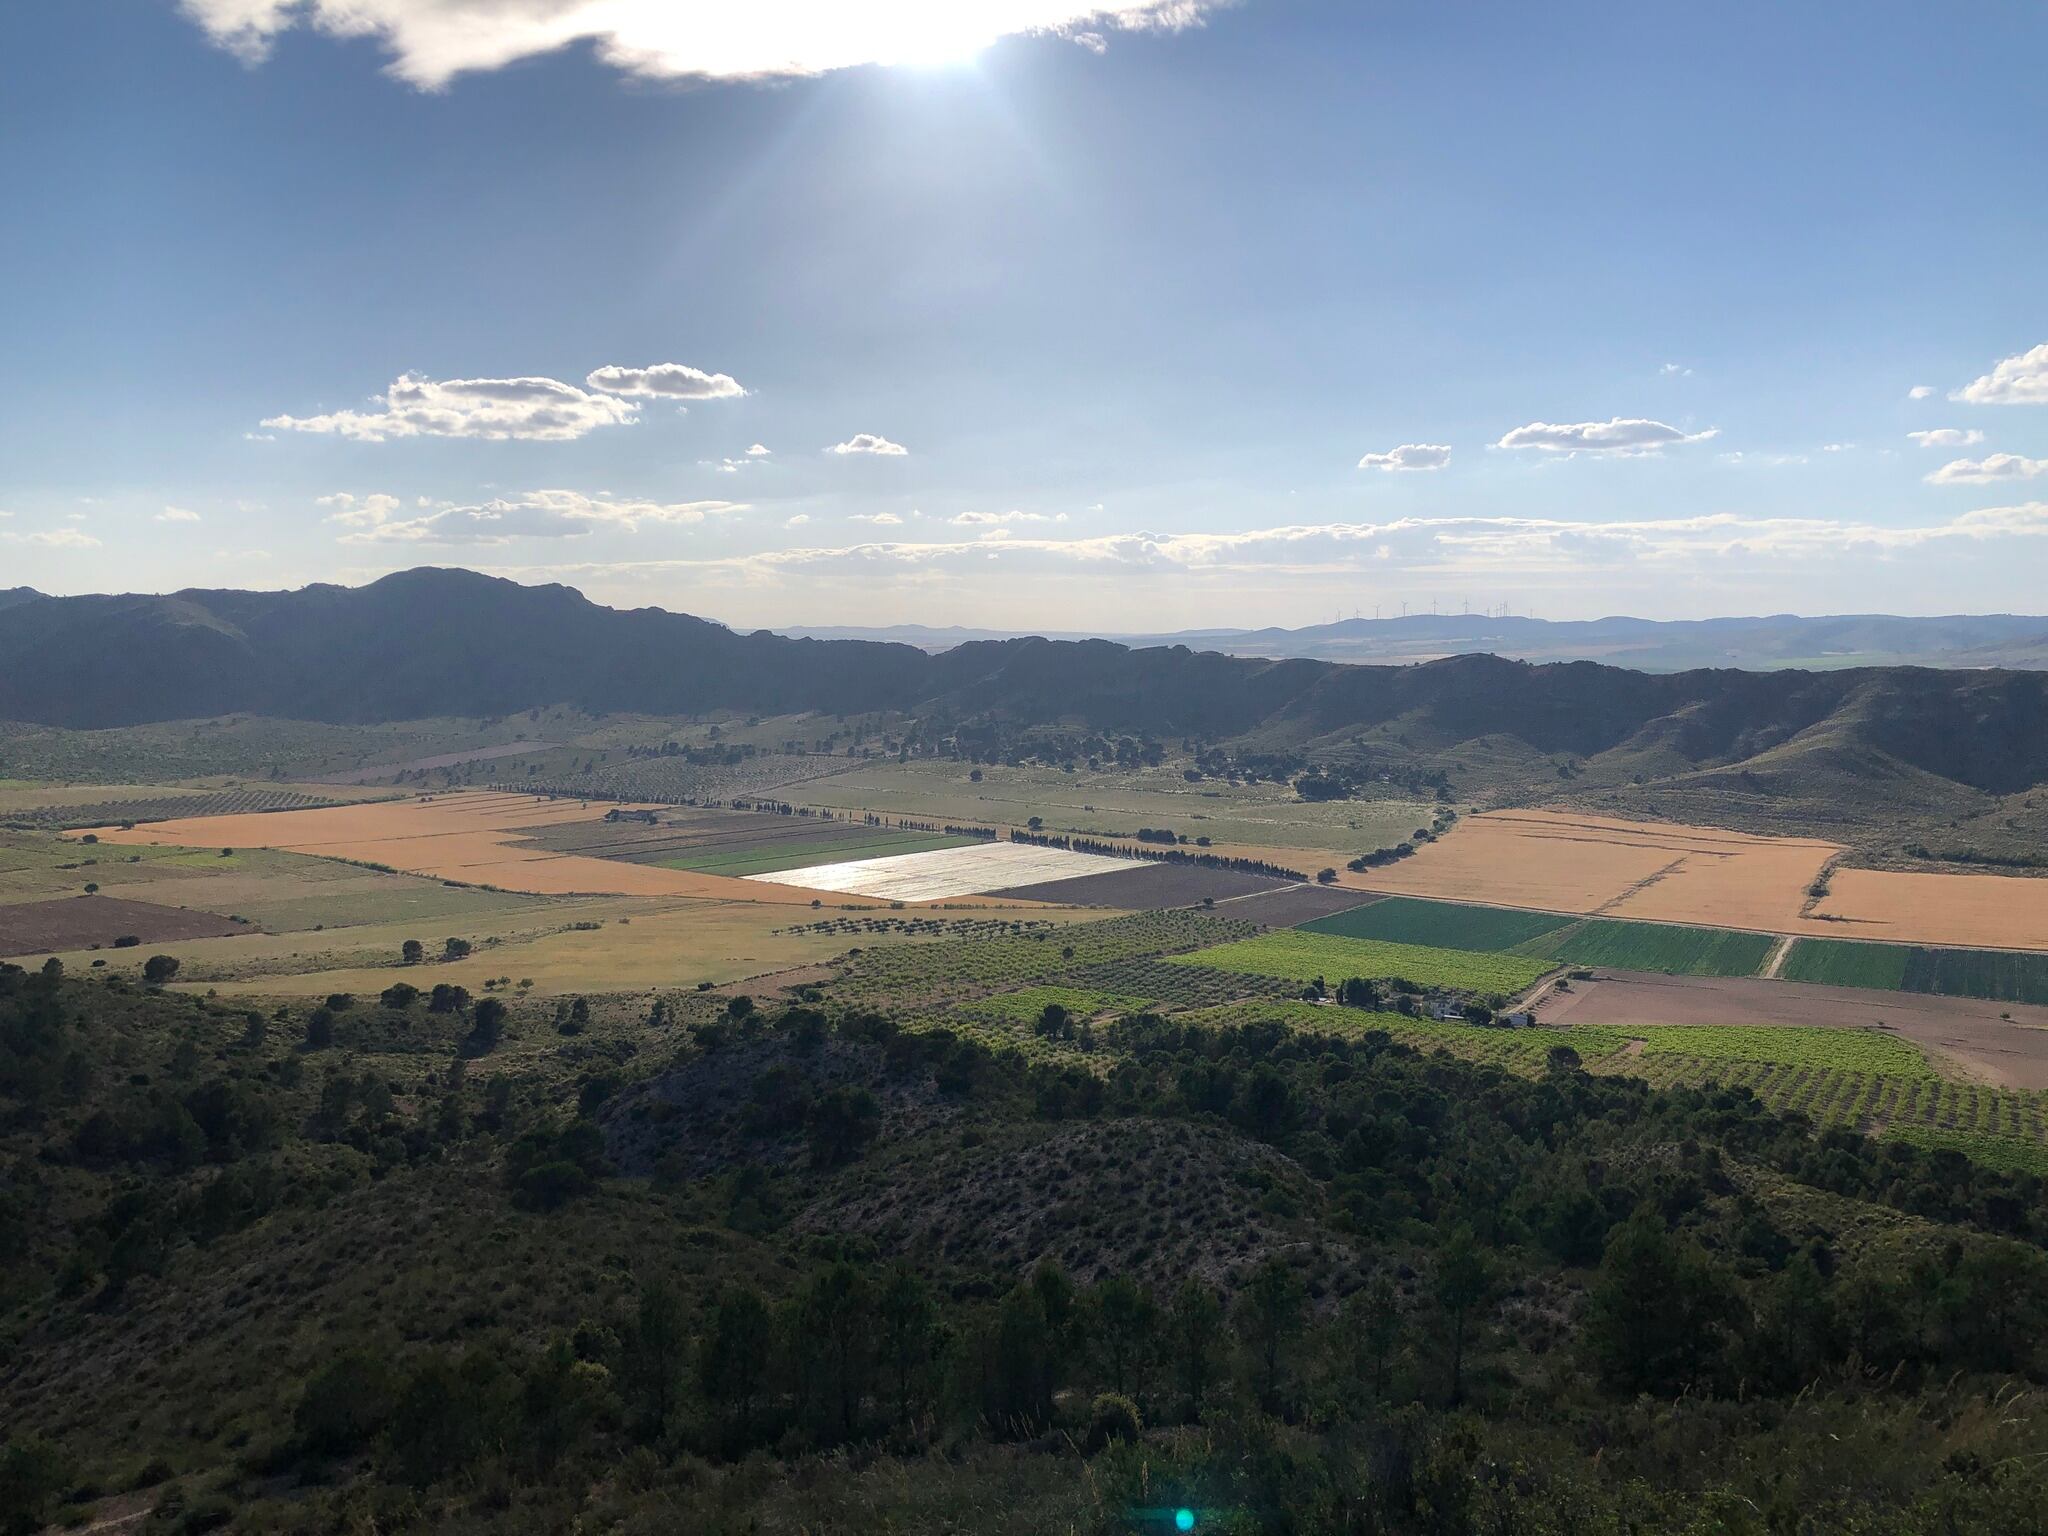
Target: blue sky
1174, 315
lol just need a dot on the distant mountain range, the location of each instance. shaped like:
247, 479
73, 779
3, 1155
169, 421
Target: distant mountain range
1647, 645
454, 643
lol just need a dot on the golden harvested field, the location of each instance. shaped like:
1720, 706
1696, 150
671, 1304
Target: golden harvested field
472, 836
1996, 911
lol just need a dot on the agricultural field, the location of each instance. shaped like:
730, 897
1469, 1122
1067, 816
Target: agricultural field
1443, 924
1662, 947
735, 842
93, 922
1140, 886
1025, 1006
973, 867
1114, 801
1304, 957
151, 805
1994, 975
1858, 1079
959, 970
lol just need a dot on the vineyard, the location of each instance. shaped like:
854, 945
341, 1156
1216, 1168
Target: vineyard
2001, 976
108, 813
1182, 984
950, 970
1304, 957
1861, 1080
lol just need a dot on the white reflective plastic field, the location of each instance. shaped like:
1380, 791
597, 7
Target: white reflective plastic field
947, 872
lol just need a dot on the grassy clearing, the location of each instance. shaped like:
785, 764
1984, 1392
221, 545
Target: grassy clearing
1440, 924
1304, 957
1666, 948
810, 853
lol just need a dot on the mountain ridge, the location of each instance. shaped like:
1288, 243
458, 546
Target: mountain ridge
439, 642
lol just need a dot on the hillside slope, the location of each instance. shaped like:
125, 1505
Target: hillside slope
453, 643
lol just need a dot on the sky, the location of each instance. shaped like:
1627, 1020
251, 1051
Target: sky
1033, 313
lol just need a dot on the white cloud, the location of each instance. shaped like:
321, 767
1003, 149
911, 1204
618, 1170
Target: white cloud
998, 519
798, 521
546, 514
759, 451
53, 538
1675, 370
1410, 456
879, 519
537, 409
177, 515
1623, 436
667, 381
1947, 437
1556, 552
1990, 470
868, 442
1920, 392
432, 41
2020, 380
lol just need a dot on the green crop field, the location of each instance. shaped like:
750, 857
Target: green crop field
1663, 947
1299, 956
1445, 924
1998, 975
2001, 976
1843, 963
810, 853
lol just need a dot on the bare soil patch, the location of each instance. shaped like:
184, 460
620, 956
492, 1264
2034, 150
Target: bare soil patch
2001, 1043
82, 922
1291, 904
1145, 886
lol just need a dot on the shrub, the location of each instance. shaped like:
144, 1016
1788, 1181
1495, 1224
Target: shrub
1112, 1416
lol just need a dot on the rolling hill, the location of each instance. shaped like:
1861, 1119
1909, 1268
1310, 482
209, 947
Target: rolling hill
449, 642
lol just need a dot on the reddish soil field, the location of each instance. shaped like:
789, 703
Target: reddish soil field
2001, 1043
1145, 886
80, 922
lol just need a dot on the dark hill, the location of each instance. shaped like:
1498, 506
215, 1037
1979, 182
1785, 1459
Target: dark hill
450, 642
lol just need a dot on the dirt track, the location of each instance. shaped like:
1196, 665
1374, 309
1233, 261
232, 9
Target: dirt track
2012, 1053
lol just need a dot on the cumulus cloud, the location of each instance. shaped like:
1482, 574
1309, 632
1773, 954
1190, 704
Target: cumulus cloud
1621, 437
1920, 392
879, 519
1409, 456
432, 41
1990, 470
537, 409
868, 442
798, 521
1675, 370
2020, 380
545, 514
665, 381
759, 451
177, 515
1947, 437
